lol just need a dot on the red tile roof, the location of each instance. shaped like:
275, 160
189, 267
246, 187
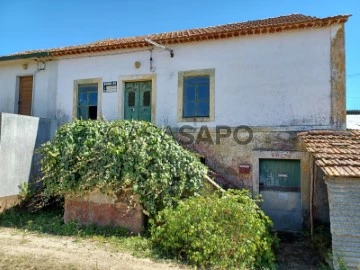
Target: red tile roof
337, 153
271, 25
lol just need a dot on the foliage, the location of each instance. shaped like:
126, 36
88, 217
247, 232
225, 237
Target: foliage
321, 241
26, 192
341, 264
32, 198
223, 230
88, 155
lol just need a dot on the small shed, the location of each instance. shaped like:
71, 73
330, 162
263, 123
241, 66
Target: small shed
337, 154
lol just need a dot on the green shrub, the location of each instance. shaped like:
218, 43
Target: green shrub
88, 155
224, 230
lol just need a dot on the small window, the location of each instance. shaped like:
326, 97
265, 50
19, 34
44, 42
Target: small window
87, 101
146, 98
131, 99
196, 96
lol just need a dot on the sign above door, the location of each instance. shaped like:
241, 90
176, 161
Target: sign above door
110, 87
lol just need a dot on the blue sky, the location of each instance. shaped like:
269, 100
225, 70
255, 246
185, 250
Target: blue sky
41, 24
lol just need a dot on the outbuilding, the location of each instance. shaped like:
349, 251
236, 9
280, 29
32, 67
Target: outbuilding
337, 155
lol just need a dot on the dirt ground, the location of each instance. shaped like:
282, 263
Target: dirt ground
24, 250
19, 250
295, 253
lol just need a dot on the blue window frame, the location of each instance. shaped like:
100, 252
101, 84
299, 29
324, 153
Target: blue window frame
196, 96
87, 101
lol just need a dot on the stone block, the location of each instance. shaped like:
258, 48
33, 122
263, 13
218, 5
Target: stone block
103, 210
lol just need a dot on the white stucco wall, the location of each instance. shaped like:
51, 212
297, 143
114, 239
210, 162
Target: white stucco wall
265, 80
44, 87
280, 79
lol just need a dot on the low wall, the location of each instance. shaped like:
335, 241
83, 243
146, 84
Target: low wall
8, 202
19, 137
103, 210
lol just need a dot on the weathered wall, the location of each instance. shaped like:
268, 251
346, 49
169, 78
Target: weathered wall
344, 201
338, 79
226, 156
8, 202
44, 87
19, 136
104, 210
281, 79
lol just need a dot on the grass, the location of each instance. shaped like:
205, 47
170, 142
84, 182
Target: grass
50, 221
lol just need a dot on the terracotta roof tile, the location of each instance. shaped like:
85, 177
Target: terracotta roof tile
337, 153
270, 25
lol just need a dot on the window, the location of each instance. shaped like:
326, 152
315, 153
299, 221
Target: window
87, 99
196, 95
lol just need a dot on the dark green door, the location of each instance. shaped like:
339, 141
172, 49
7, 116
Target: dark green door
281, 191
138, 101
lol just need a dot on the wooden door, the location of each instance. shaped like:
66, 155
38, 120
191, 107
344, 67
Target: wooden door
25, 95
138, 101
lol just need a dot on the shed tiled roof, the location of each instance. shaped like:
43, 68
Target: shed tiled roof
270, 25
337, 153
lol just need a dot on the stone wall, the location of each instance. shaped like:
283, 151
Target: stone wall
103, 210
226, 155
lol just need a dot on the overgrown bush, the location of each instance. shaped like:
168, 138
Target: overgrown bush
88, 155
224, 230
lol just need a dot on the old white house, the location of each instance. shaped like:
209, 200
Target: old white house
277, 76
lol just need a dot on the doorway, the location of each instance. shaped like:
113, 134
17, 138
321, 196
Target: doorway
280, 187
138, 101
25, 95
